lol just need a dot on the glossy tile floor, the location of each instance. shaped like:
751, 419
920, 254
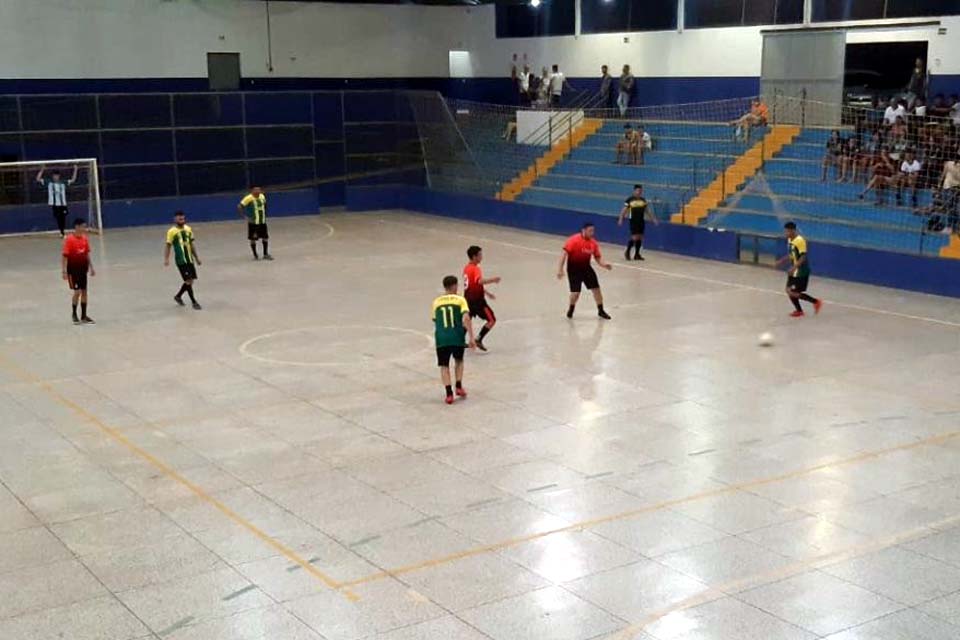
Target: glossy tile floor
279, 466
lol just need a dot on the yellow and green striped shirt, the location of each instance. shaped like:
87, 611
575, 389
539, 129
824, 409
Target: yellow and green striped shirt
255, 207
181, 239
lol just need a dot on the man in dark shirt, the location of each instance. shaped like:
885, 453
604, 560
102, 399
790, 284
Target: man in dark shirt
636, 208
606, 84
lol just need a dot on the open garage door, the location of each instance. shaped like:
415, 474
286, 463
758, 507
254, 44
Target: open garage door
802, 75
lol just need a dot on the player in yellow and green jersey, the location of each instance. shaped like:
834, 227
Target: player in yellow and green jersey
253, 207
181, 243
799, 275
451, 322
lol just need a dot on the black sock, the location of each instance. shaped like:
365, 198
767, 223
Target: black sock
183, 290
83, 310
808, 298
629, 246
265, 252
449, 390
253, 247
600, 308
459, 384
796, 303
570, 310
74, 310
483, 332
189, 288
638, 244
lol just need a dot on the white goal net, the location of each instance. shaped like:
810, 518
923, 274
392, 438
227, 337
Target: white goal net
37, 196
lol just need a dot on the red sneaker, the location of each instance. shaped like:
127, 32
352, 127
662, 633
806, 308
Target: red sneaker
817, 306
797, 314
449, 400
461, 392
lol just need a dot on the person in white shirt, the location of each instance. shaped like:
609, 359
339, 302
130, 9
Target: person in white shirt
557, 83
909, 173
524, 85
895, 110
955, 110
57, 195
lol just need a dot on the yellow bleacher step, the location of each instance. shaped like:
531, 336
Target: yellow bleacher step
952, 250
551, 157
743, 168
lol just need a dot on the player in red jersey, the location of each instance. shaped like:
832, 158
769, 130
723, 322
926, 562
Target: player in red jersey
578, 252
476, 294
76, 265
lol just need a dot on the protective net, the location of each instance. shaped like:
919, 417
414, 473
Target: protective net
48, 196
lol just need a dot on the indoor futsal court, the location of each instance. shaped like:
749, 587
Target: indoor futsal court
480, 320
280, 464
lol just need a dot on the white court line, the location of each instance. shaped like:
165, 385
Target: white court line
245, 351
684, 276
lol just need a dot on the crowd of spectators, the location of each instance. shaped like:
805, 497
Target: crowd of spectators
905, 148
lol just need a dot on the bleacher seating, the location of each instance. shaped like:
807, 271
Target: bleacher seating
790, 187
499, 159
685, 158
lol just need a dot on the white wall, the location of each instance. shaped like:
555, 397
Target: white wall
726, 52
170, 38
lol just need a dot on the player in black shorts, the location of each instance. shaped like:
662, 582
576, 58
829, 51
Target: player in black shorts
253, 207
181, 242
578, 252
636, 208
474, 290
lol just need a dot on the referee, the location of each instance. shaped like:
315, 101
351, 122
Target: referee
578, 253
637, 209
57, 195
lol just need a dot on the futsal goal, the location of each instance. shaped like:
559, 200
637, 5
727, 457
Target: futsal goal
33, 195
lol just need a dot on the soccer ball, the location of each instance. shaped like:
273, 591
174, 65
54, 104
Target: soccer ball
765, 339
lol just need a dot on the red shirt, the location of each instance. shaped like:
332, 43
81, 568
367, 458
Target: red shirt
580, 250
77, 251
472, 282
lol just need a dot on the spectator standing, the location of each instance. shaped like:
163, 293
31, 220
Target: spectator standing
625, 90
950, 190
524, 86
606, 88
543, 89
558, 82
917, 86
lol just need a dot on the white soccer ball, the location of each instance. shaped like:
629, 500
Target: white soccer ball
765, 339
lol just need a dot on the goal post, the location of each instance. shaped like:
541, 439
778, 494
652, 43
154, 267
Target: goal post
30, 191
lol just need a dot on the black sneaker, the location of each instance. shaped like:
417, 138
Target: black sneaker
626, 254
267, 256
638, 257
569, 313
604, 315
76, 320
87, 320
256, 257
196, 306
480, 346
178, 300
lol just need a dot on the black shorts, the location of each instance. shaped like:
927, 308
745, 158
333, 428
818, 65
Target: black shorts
480, 309
77, 279
445, 353
798, 283
637, 227
59, 211
257, 231
580, 277
188, 271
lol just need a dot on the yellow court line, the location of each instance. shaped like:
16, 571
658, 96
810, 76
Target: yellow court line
781, 573
171, 473
625, 515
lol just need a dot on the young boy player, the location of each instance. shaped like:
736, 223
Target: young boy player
451, 322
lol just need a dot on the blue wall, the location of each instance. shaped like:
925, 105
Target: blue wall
900, 271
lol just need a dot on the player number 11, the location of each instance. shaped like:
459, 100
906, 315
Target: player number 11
447, 317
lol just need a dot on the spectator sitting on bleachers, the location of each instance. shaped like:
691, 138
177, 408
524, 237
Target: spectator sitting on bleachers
832, 155
849, 154
939, 108
645, 142
955, 110
869, 152
881, 174
756, 117
908, 176
896, 109
897, 140
944, 210
629, 145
